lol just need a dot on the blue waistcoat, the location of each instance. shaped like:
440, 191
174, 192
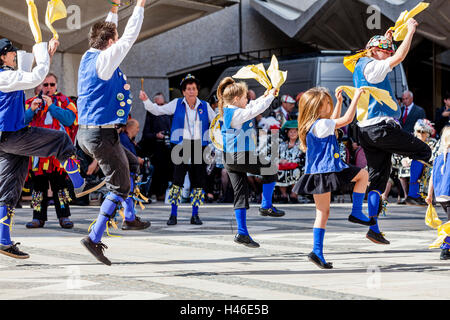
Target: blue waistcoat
322, 154
177, 130
12, 110
101, 102
237, 140
441, 181
375, 109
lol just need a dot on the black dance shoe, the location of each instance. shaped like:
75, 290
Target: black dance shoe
415, 201
172, 220
195, 219
354, 219
445, 255
136, 224
271, 212
316, 260
13, 251
246, 241
376, 237
96, 249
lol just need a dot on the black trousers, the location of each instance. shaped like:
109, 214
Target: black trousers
162, 165
238, 167
115, 161
188, 158
446, 207
15, 151
57, 183
380, 141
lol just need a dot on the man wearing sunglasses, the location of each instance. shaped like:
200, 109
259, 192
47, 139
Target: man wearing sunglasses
379, 133
60, 113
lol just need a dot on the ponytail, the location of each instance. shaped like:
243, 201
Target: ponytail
227, 90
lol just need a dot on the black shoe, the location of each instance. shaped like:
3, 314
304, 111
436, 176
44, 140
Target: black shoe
284, 200
136, 224
376, 237
415, 201
196, 220
246, 241
13, 251
272, 212
354, 219
88, 187
293, 200
96, 249
172, 220
445, 255
316, 260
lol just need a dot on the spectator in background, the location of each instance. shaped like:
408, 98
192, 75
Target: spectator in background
358, 158
213, 102
443, 114
128, 135
410, 112
291, 163
58, 113
155, 144
285, 112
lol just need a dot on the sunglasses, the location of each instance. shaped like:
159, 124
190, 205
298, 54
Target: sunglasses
49, 84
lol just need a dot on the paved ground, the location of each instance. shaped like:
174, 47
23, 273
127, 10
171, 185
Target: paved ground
202, 262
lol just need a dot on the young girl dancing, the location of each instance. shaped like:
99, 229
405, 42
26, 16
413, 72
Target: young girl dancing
325, 171
440, 184
239, 152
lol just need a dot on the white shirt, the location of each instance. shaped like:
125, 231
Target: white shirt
377, 70
324, 128
254, 108
110, 59
17, 80
192, 123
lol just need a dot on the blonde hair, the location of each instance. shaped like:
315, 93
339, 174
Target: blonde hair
445, 142
228, 90
309, 108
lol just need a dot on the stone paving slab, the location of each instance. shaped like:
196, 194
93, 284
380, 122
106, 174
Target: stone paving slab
186, 262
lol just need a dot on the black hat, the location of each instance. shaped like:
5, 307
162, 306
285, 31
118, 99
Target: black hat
6, 46
189, 79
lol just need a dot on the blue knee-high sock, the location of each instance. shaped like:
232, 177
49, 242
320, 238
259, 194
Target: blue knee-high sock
5, 237
241, 219
415, 173
73, 171
358, 199
128, 204
194, 210
319, 235
373, 202
266, 202
174, 210
106, 211
446, 244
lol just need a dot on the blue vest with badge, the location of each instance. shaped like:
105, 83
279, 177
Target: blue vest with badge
441, 175
322, 154
375, 109
237, 140
101, 102
12, 110
177, 130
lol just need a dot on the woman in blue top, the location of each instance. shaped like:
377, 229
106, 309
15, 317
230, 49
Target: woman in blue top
325, 171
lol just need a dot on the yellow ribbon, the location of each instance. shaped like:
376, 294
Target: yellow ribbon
9, 215
350, 61
110, 221
33, 21
380, 95
400, 28
56, 10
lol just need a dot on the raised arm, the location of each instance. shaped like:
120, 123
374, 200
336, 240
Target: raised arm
153, 108
338, 108
403, 50
350, 113
257, 107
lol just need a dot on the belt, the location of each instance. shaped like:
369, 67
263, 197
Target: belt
107, 126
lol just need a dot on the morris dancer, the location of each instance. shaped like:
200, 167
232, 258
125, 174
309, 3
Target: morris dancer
103, 106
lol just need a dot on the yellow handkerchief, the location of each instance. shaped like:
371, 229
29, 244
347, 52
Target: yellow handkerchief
350, 61
34, 21
380, 95
257, 72
431, 218
443, 232
400, 29
56, 10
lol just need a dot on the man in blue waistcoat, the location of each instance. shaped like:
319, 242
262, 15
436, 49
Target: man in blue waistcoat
18, 141
104, 102
380, 134
189, 137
